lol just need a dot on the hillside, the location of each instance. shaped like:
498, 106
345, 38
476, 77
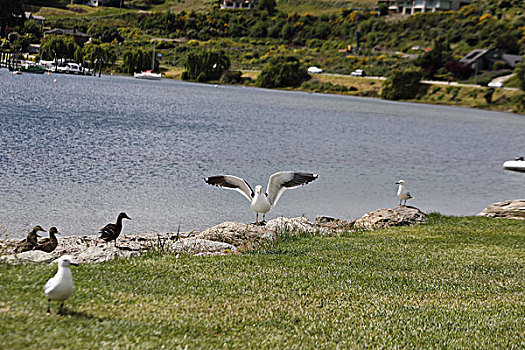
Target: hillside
340, 42
317, 7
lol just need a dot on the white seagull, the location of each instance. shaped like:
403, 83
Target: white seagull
60, 287
263, 202
402, 192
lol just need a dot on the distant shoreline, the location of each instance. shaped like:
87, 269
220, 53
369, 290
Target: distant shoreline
454, 95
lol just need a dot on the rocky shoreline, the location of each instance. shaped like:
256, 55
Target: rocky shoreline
231, 237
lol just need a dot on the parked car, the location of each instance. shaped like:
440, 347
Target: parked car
358, 73
496, 84
314, 70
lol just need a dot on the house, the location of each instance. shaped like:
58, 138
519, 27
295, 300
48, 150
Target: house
96, 3
511, 60
410, 7
484, 59
238, 4
40, 19
80, 38
33, 49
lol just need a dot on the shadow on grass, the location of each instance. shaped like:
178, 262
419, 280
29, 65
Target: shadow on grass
79, 315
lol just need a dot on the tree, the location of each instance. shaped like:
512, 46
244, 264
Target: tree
268, 5
509, 43
34, 28
258, 30
459, 70
283, 71
11, 15
403, 84
205, 65
434, 59
99, 54
58, 47
383, 9
287, 31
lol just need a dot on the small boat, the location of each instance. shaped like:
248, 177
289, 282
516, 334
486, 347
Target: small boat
517, 164
33, 69
148, 74
28, 68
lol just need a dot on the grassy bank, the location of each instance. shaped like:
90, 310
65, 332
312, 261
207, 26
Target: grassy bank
452, 283
452, 95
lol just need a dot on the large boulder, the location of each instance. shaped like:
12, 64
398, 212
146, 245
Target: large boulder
98, 254
384, 218
511, 209
32, 256
242, 236
294, 225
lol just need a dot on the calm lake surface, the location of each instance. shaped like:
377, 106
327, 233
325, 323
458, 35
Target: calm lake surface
76, 152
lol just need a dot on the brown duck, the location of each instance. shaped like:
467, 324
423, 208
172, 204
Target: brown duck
110, 232
30, 242
48, 244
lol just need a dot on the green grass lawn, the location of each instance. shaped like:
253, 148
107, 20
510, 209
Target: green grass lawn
452, 283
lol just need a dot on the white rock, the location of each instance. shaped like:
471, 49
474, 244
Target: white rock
511, 209
199, 246
33, 256
294, 225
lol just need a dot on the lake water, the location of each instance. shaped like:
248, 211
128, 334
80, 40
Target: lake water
76, 152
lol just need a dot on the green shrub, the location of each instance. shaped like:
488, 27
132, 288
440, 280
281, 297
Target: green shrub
205, 65
498, 65
232, 77
520, 73
282, 71
488, 95
403, 84
518, 103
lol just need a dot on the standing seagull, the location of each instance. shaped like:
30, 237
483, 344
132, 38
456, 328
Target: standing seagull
48, 244
402, 192
30, 242
60, 287
262, 203
110, 232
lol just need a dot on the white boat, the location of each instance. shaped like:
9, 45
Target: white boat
148, 74
73, 68
515, 165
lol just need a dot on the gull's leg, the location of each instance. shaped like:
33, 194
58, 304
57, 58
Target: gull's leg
264, 218
400, 201
48, 306
61, 310
256, 218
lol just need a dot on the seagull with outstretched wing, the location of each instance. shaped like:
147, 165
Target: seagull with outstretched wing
262, 202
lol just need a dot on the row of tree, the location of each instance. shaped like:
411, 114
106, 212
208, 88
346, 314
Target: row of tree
64, 48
